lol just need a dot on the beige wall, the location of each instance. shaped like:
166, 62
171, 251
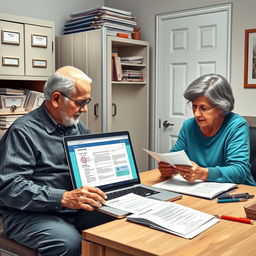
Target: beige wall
145, 12
243, 18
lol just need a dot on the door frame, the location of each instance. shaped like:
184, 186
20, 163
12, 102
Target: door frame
158, 90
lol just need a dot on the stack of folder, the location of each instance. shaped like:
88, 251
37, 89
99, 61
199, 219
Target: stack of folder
115, 20
7, 120
14, 103
11, 100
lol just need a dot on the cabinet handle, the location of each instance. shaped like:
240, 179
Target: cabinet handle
113, 109
96, 109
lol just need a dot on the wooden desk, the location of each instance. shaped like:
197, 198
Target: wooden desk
124, 238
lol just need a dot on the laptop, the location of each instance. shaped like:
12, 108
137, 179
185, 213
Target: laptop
107, 161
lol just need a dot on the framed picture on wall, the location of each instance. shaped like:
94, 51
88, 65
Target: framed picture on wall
250, 59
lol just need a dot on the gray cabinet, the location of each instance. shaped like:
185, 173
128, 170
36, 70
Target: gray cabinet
116, 105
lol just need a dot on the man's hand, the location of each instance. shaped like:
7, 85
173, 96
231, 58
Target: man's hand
166, 169
87, 198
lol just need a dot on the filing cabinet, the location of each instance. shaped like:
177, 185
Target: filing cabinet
26, 48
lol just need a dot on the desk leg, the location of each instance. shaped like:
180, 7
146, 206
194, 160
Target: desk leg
92, 249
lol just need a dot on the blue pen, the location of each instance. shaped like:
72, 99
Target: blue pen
231, 200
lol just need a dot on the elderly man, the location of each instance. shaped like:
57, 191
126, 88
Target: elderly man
39, 207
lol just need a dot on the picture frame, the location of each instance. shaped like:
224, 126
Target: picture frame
250, 58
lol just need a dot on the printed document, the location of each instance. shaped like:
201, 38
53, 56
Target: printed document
173, 158
166, 216
198, 188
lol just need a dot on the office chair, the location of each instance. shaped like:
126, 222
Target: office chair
253, 151
12, 248
251, 120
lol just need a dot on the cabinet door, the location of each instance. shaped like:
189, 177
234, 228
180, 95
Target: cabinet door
11, 48
94, 57
64, 50
38, 51
71, 50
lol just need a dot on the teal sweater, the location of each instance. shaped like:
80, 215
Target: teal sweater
226, 154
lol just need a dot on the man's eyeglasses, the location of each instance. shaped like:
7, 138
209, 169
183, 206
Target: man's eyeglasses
81, 104
202, 109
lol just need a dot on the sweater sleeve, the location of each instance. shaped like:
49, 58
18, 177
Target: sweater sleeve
237, 167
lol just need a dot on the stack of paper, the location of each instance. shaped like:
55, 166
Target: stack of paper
197, 188
115, 20
166, 216
7, 120
132, 60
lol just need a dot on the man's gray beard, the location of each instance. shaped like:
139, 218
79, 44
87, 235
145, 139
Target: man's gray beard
68, 121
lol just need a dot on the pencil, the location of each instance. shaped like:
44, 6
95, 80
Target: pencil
237, 219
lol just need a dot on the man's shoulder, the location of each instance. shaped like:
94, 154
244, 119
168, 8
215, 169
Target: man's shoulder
82, 128
34, 114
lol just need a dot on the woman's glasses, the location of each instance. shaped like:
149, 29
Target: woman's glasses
202, 108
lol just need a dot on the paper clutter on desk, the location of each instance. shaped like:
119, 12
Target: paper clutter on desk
250, 210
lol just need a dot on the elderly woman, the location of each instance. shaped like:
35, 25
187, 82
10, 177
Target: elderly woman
216, 139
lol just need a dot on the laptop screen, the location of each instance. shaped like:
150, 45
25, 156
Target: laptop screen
103, 160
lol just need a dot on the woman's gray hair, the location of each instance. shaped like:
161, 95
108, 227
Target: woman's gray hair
58, 83
215, 88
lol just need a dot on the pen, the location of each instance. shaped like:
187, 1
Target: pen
243, 220
243, 195
231, 200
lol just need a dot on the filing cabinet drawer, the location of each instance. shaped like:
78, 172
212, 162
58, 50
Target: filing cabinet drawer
11, 48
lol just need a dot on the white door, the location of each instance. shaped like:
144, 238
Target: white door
189, 44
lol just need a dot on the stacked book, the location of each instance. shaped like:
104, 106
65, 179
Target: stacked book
127, 68
131, 75
116, 21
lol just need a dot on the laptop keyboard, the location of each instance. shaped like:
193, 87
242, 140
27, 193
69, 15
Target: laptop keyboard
142, 191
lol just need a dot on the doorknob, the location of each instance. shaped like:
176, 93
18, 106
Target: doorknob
166, 124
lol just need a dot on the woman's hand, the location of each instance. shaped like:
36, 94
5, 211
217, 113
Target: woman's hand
192, 173
166, 169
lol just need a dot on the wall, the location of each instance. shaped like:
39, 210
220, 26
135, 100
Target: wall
145, 12
243, 18
56, 10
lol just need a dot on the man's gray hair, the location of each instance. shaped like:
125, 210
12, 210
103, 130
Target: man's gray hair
63, 83
58, 83
215, 88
